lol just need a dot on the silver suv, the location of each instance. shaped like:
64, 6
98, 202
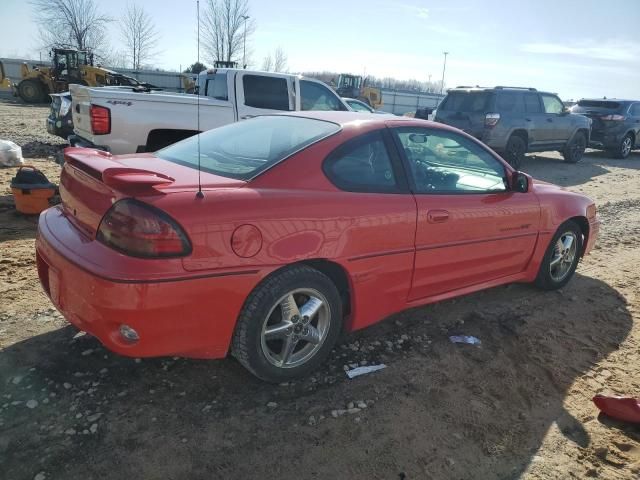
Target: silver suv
514, 121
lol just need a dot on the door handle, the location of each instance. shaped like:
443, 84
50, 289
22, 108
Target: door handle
550, 120
246, 117
528, 119
437, 216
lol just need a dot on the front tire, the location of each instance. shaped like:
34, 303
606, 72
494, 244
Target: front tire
574, 150
624, 149
288, 325
31, 91
515, 150
561, 258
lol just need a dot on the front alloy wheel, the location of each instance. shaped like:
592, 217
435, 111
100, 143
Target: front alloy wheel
564, 255
561, 258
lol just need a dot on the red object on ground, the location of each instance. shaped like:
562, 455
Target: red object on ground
626, 409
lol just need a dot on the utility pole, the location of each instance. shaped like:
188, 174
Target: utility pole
244, 47
444, 68
429, 84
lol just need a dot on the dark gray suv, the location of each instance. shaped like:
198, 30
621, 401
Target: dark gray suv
514, 121
616, 124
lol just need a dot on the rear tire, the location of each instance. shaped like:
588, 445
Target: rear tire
31, 91
560, 260
515, 150
574, 150
288, 324
624, 149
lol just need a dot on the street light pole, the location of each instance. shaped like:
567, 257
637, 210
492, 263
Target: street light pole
244, 47
444, 68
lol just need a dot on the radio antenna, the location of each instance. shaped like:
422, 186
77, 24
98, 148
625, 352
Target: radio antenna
199, 194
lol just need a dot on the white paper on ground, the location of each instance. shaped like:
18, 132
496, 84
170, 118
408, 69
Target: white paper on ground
364, 370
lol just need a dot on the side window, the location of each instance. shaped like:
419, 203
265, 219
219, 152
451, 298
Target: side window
266, 92
216, 87
532, 103
362, 165
635, 110
315, 96
552, 104
445, 162
508, 102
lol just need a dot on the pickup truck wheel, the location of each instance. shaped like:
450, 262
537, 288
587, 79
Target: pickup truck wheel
574, 150
31, 91
624, 149
288, 325
561, 258
515, 150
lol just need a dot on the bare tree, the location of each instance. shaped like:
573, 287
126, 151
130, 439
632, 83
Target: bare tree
279, 60
267, 63
75, 23
225, 27
140, 35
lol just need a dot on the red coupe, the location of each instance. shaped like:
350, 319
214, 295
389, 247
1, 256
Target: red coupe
269, 237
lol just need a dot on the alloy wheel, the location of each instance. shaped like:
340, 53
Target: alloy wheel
626, 146
295, 328
563, 257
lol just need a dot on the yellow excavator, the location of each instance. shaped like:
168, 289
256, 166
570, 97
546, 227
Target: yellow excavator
69, 65
354, 86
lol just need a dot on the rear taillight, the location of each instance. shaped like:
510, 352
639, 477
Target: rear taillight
615, 118
140, 230
491, 120
100, 120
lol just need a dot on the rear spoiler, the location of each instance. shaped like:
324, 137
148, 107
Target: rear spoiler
101, 166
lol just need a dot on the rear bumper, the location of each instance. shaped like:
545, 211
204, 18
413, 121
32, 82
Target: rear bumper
191, 316
58, 128
78, 141
610, 138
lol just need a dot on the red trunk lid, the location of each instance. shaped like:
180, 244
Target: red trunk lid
92, 180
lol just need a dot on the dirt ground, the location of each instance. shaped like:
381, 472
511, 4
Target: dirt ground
518, 406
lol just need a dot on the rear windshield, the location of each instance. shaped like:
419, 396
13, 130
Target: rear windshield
242, 150
599, 104
476, 102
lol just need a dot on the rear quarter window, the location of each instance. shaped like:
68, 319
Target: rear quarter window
476, 102
507, 102
271, 93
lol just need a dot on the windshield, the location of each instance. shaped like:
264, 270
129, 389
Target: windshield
244, 149
359, 106
476, 102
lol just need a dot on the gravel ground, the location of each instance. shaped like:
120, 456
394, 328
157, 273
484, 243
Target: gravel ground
517, 406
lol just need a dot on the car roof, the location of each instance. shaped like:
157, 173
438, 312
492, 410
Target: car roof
620, 100
342, 118
478, 88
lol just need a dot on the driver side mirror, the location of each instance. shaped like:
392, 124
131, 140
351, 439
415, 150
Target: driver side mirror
520, 182
565, 111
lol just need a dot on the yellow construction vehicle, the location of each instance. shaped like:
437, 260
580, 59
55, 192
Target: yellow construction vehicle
5, 83
354, 86
69, 65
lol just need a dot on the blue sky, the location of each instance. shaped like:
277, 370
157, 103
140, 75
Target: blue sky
573, 47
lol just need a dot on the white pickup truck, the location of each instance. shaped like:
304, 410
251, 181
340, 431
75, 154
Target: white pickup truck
122, 121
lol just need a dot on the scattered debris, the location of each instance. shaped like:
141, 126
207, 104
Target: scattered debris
32, 404
364, 370
272, 404
468, 339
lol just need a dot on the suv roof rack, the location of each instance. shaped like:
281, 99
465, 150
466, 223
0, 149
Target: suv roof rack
501, 87
470, 86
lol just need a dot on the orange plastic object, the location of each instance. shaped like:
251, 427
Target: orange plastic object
626, 409
32, 200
